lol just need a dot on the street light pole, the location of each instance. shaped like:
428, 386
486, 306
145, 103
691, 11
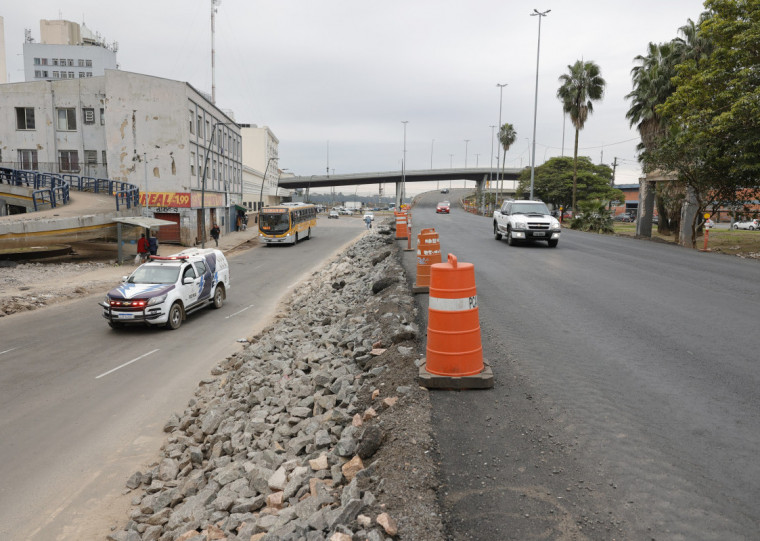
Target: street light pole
203, 180
403, 167
498, 133
490, 173
541, 15
261, 194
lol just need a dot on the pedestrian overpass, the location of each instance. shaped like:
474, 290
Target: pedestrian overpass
480, 175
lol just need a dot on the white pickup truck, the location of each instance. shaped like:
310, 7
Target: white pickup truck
166, 289
525, 221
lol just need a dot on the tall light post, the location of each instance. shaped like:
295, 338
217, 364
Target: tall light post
203, 180
466, 143
541, 15
490, 175
403, 168
498, 147
263, 180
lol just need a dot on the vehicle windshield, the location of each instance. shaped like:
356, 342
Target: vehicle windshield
274, 223
529, 208
154, 274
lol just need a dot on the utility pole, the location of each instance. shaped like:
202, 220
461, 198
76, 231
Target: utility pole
214, 3
614, 166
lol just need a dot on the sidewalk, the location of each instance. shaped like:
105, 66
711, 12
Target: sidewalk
227, 242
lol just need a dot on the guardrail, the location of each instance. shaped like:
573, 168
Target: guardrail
50, 189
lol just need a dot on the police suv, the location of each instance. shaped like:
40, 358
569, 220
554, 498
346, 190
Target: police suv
165, 290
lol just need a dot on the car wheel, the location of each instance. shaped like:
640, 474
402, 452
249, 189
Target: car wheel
734, 226
175, 317
219, 296
510, 240
553, 243
496, 233
752, 228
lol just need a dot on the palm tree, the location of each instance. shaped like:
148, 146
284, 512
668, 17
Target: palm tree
580, 87
507, 136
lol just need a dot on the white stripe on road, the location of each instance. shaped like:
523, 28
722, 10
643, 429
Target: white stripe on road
126, 364
8, 350
239, 311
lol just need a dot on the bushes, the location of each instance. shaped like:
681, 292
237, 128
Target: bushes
594, 217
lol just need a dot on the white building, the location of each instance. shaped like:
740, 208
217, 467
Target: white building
260, 166
67, 51
3, 65
152, 132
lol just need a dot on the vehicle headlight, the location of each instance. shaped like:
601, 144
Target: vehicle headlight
555, 224
521, 225
157, 300
108, 300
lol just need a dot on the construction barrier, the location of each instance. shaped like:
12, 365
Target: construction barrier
428, 253
454, 354
401, 231
408, 232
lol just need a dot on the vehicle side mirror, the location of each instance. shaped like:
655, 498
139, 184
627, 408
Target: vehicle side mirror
187, 280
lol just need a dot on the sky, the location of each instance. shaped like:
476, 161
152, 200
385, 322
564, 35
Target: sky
335, 79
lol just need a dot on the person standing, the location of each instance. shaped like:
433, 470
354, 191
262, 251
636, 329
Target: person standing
215, 234
368, 221
143, 248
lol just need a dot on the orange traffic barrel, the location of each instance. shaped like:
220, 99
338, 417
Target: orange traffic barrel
428, 254
401, 233
454, 354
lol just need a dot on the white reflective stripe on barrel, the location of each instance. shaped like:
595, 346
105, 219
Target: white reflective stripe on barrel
453, 305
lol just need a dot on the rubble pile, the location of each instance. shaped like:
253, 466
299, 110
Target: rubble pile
277, 445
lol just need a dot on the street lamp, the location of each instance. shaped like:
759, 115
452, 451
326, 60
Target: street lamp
261, 194
498, 147
203, 180
541, 15
403, 168
466, 143
490, 173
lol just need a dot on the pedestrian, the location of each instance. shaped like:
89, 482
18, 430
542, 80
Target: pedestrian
368, 221
215, 234
143, 248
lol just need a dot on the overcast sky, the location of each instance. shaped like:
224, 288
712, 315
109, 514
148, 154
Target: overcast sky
348, 72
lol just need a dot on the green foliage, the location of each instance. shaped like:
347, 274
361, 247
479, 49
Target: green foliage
553, 182
593, 216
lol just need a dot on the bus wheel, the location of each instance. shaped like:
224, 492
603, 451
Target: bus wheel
296, 241
309, 237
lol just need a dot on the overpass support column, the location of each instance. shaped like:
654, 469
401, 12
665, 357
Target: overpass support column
480, 201
399, 195
646, 208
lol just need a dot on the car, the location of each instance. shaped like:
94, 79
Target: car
445, 190
526, 220
444, 207
624, 217
165, 290
751, 225
371, 216
333, 214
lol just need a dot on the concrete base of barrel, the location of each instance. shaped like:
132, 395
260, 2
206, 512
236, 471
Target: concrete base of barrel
421, 289
483, 380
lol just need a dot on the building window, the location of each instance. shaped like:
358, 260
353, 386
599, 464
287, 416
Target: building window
68, 161
67, 119
89, 115
44, 61
207, 133
71, 75
56, 75
71, 61
55, 61
192, 122
192, 163
37, 74
103, 153
88, 63
80, 62
91, 157
81, 75
24, 118
89, 74
37, 62
44, 73
27, 159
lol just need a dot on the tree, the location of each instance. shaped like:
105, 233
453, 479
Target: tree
507, 137
712, 141
553, 182
580, 87
593, 217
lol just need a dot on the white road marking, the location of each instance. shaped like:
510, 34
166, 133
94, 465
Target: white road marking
239, 311
126, 364
8, 350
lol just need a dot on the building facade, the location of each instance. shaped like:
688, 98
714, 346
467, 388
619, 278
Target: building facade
261, 171
162, 135
67, 51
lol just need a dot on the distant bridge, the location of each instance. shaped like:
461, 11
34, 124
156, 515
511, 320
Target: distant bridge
477, 174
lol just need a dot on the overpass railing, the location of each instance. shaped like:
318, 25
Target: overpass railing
51, 190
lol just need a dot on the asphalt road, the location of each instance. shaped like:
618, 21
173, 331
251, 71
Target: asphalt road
627, 390
83, 406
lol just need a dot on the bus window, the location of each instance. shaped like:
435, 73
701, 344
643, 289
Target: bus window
275, 223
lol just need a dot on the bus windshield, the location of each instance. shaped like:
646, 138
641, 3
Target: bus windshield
274, 223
